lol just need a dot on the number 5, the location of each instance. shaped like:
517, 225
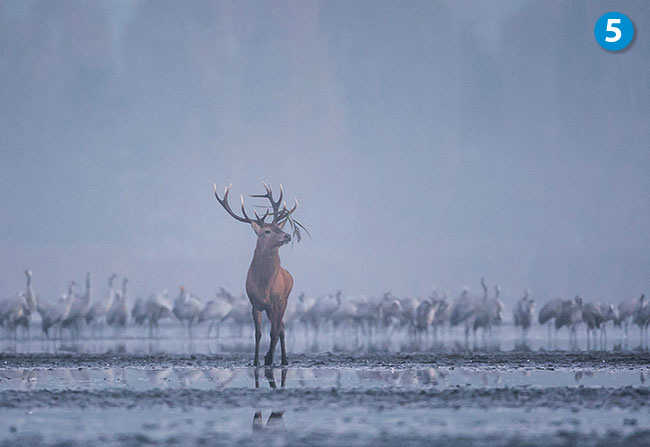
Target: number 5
613, 29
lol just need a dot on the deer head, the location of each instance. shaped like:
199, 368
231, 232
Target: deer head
270, 235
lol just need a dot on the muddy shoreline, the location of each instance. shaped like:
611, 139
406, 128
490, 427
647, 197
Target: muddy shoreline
549, 360
378, 398
501, 398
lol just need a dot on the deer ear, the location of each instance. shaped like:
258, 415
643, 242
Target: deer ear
256, 227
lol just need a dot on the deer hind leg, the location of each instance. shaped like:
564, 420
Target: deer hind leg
283, 345
257, 319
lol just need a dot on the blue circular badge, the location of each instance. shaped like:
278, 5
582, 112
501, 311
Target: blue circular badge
614, 31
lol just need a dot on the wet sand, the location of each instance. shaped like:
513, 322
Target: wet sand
426, 398
487, 360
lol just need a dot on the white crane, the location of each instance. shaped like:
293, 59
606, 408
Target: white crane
628, 309
79, 309
641, 315
54, 313
118, 313
217, 310
570, 315
593, 317
139, 311
523, 314
367, 316
303, 304
30, 301
290, 313
389, 311
495, 309
464, 310
322, 311
16, 311
424, 316
611, 314
549, 312
98, 311
12, 313
187, 308
489, 312
158, 306
345, 315
443, 313
240, 313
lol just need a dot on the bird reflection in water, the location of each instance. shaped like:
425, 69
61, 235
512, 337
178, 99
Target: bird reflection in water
274, 429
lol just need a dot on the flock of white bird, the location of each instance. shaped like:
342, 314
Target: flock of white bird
362, 315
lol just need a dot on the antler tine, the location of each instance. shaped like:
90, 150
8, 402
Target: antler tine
285, 212
275, 204
292, 209
281, 194
268, 192
243, 210
226, 206
260, 221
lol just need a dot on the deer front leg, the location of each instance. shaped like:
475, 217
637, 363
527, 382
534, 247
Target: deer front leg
275, 330
257, 319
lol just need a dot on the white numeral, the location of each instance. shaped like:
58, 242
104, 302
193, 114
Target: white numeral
613, 29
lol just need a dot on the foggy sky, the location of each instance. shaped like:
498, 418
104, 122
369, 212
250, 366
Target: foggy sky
429, 143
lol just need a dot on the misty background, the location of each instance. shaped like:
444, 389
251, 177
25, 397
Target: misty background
429, 143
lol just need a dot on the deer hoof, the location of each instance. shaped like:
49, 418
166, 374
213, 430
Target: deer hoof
268, 361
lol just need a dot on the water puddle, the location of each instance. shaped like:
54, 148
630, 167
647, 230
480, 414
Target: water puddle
317, 378
174, 339
342, 426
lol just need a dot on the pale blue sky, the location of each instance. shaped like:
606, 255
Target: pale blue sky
429, 142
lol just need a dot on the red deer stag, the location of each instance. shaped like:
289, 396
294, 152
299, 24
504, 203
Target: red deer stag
267, 285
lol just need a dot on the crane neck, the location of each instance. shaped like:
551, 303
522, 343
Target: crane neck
30, 297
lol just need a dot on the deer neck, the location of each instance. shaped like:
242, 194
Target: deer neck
265, 265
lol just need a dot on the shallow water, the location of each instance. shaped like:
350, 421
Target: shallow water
172, 338
349, 426
506, 398
129, 389
313, 378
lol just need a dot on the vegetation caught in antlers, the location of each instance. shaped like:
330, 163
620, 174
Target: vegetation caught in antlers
278, 210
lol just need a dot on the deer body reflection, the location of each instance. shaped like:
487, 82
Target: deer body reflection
268, 285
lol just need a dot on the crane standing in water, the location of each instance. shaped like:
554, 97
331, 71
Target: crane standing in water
118, 313
268, 285
524, 313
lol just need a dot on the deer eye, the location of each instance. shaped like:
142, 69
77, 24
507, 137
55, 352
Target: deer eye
267, 231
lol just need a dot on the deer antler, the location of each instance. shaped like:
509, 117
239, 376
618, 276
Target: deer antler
224, 203
278, 214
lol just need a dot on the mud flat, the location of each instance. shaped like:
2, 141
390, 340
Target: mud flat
464, 398
485, 360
